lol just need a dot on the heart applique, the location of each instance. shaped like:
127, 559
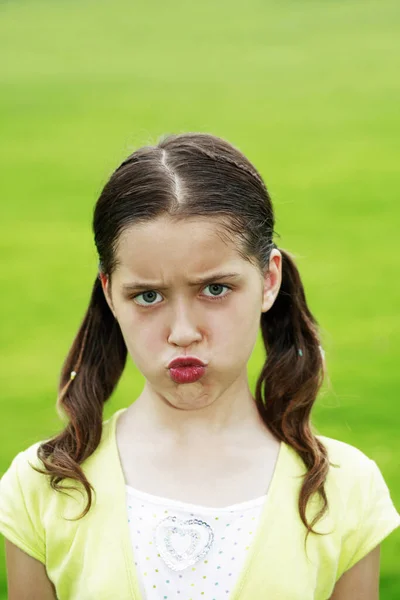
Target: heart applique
182, 543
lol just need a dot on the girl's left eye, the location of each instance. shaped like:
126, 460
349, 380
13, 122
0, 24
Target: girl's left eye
214, 287
217, 285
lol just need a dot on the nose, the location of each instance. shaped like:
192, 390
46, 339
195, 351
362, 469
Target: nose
184, 329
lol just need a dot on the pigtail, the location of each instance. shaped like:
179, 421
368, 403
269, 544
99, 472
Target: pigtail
290, 379
91, 371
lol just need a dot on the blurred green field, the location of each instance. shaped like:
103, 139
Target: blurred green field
308, 90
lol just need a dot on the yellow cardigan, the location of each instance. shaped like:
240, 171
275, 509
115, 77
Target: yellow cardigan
92, 558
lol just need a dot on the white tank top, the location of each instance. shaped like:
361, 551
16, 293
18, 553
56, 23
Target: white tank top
189, 551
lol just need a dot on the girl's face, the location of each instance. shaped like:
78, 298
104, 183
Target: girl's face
164, 313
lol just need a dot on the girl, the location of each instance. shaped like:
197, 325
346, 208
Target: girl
197, 490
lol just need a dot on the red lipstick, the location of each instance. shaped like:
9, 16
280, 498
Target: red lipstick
186, 369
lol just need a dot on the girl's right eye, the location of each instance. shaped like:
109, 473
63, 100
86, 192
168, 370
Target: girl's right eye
152, 295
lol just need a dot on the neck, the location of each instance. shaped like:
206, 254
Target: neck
231, 414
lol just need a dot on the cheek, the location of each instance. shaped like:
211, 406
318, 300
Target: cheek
244, 314
132, 326
143, 335
234, 329
145, 346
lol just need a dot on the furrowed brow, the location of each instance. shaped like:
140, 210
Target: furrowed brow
139, 285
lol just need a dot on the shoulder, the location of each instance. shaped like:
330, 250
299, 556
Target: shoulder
22, 483
353, 476
22, 466
349, 466
359, 499
343, 453
354, 482
23, 493
30, 507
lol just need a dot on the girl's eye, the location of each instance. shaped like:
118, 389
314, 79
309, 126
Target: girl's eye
214, 289
150, 296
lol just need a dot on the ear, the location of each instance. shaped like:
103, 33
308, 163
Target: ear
105, 284
272, 280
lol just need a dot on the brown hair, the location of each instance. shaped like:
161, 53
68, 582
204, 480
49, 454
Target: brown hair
193, 175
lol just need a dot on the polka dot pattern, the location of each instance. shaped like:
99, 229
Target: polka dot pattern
212, 577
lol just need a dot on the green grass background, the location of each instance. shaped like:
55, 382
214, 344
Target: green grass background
309, 90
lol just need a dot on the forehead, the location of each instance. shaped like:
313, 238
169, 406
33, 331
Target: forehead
163, 247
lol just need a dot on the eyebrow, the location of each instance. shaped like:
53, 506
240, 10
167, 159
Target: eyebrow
139, 285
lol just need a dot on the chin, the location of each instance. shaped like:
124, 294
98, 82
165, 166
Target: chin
191, 404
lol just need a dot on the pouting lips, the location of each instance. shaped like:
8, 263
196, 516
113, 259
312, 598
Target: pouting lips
187, 374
